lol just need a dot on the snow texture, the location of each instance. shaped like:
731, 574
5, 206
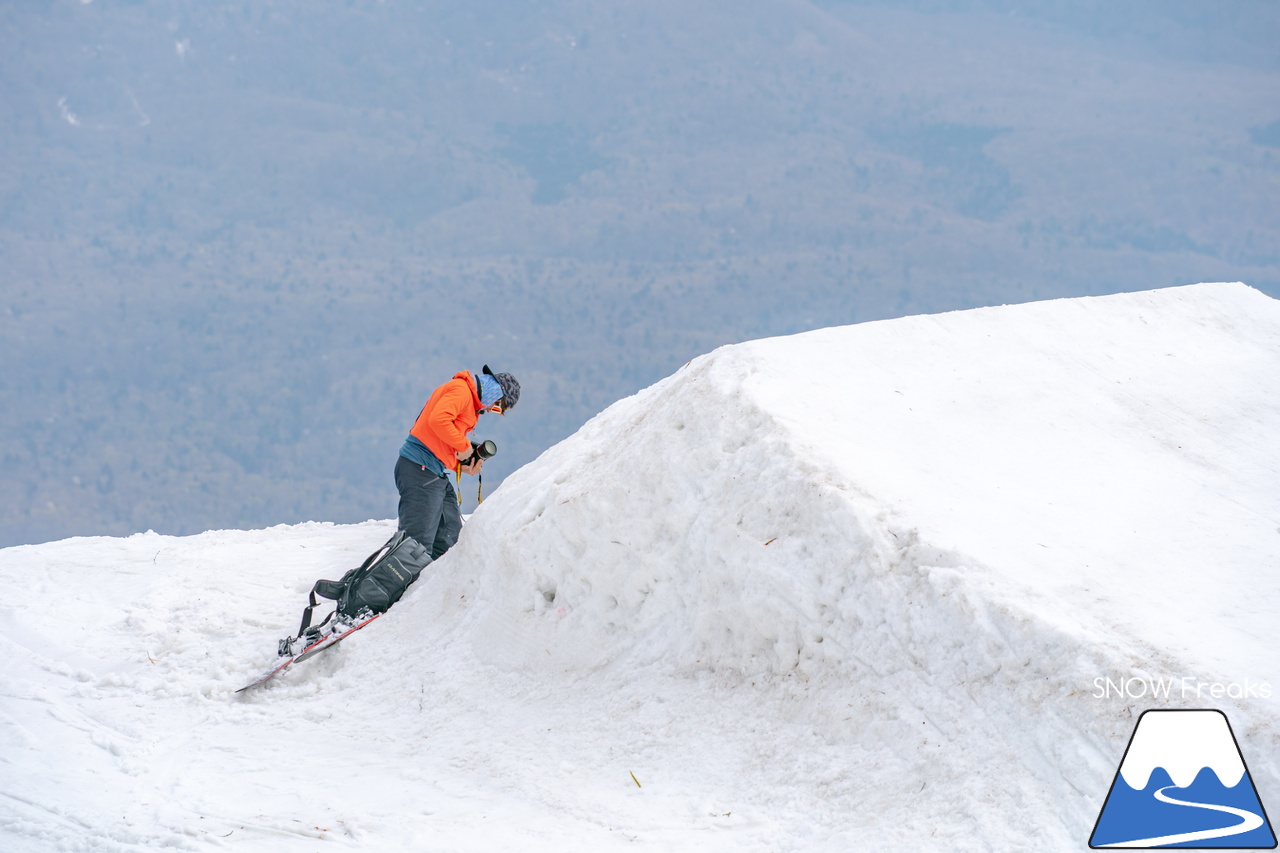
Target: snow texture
848, 590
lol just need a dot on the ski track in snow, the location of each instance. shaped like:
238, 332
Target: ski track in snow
729, 614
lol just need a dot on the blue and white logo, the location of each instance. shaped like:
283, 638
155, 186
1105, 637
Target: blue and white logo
1182, 783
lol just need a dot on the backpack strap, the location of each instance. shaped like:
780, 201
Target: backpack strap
333, 590
325, 589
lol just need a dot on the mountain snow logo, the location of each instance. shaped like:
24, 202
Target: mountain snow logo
1182, 783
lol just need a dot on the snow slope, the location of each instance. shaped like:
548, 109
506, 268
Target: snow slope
850, 589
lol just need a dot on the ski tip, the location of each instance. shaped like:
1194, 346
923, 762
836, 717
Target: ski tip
265, 677
319, 645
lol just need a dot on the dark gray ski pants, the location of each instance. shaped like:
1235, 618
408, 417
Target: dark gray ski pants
428, 507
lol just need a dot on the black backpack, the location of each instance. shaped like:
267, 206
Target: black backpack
371, 588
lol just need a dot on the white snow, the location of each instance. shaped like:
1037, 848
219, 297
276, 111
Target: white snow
847, 590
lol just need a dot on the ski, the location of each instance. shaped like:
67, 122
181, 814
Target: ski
335, 635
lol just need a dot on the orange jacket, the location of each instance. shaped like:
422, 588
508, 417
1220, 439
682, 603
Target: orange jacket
447, 418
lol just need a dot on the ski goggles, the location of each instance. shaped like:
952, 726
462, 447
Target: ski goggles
498, 408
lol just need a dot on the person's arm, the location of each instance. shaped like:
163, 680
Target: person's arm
443, 419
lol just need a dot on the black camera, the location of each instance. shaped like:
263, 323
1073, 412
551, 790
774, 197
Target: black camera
483, 449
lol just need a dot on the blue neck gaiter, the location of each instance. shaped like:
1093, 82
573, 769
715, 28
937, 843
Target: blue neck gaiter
490, 390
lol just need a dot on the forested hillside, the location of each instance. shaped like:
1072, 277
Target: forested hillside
242, 241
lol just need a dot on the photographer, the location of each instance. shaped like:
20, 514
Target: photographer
437, 444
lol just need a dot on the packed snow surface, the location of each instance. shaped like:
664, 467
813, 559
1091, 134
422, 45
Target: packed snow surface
864, 588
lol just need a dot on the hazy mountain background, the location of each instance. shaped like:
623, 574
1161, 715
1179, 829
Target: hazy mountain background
242, 241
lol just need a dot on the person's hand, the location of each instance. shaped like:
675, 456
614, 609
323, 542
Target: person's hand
472, 467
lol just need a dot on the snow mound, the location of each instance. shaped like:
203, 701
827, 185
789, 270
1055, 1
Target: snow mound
808, 503
972, 516
852, 589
